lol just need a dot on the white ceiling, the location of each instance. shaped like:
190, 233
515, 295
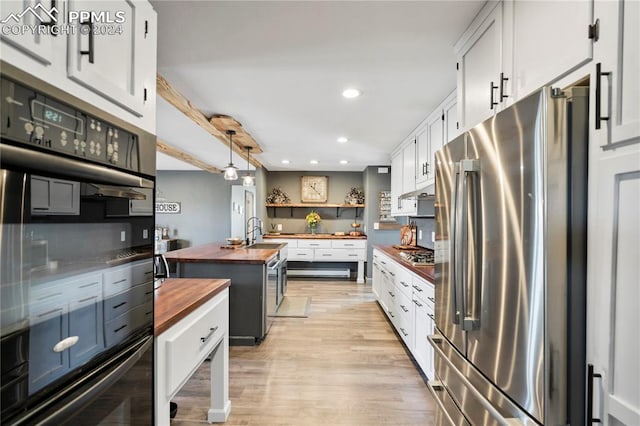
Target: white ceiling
280, 67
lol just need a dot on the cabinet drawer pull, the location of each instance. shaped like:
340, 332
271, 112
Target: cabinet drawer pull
120, 281
432, 299
391, 294
431, 316
50, 312
326, 254
86, 299
89, 285
383, 262
404, 284
148, 273
502, 80
392, 274
404, 308
349, 245
391, 314
119, 304
65, 344
383, 271
208, 336
416, 288
404, 332
353, 255
417, 303
120, 328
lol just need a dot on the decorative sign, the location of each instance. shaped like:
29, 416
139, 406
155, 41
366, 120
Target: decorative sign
314, 189
172, 207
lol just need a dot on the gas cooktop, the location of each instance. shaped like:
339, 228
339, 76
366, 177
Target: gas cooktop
418, 258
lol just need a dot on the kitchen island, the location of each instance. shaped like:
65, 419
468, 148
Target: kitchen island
191, 321
325, 248
253, 289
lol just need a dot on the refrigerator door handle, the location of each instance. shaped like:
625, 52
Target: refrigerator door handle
469, 321
436, 387
453, 252
435, 342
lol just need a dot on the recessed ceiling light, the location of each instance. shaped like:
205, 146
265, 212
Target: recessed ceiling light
342, 139
344, 162
285, 161
313, 161
351, 93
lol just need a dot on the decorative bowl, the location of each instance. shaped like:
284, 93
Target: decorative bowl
234, 241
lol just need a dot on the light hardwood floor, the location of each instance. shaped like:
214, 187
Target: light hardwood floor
343, 365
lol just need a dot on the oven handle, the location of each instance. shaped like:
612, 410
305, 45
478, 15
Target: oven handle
46, 162
75, 404
276, 265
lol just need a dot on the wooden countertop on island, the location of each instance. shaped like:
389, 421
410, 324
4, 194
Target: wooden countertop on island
178, 297
426, 272
214, 253
314, 237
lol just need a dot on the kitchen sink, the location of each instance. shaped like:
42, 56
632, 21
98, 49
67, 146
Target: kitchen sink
265, 246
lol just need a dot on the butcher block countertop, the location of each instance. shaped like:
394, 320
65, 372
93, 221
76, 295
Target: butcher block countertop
214, 253
178, 297
314, 236
426, 272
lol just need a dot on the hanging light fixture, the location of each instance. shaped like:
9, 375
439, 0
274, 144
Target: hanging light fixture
247, 180
231, 171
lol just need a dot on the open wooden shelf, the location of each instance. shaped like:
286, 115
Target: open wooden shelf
316, 206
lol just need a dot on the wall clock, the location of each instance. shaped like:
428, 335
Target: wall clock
314, 189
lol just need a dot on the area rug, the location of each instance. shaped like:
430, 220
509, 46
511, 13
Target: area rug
294, 307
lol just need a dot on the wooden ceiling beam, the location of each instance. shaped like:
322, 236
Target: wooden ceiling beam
174, 152
184, 105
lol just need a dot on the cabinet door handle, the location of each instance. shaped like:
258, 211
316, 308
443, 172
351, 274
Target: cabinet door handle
89, 52
391, 294
404, 284
417, 303
208, 336
392, 274
50, 312
432, 299
418, 289
502, 80
492, 103
120, 328
591, 375
391, 314
431, 316
598, 108
404, 308
404, 332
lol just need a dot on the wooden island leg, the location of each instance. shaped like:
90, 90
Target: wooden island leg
220, 403
360, 278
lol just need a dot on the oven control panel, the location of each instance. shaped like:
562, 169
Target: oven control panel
32, 118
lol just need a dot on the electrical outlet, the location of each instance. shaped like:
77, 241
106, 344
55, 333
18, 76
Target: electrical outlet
420, 234
433, 237
279, 227
145, 234
123, 236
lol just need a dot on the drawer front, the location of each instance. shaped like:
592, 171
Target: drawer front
404, 309
424, 289
404, 281
142, 272
119, 279
300, 254
290, 243
349, 244
90, 285
119, 328
120, 303
193, 338
314, 244
340, 255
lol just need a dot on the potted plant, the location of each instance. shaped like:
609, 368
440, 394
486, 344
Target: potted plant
313, 219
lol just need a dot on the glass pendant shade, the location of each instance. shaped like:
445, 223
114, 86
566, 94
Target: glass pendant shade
247, 180
231, 171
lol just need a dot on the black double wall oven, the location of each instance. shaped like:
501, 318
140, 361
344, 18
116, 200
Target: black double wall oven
76, 210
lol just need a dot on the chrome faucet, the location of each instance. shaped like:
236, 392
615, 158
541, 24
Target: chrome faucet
253, 224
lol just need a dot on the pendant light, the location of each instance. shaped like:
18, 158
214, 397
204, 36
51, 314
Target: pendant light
247, 180
231, 171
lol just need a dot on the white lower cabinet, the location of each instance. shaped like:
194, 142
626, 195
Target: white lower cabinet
408, 301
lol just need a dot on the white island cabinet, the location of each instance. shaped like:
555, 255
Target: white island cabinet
191, 324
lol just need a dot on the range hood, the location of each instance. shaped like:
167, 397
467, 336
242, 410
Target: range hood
426, 192
98, 190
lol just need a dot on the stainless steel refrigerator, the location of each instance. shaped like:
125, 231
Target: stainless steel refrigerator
510, 266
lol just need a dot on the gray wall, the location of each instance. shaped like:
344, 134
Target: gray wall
374, 182
206, 200
339, 185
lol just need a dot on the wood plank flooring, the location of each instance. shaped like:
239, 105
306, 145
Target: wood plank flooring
343, 365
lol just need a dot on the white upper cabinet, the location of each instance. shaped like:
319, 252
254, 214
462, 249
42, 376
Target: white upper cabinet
550, 39
514, 47
451, 125
396, 183
108, 59
617, 109
423, 153
479, 56
38, 46
435, 131
103, 52
409, 166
